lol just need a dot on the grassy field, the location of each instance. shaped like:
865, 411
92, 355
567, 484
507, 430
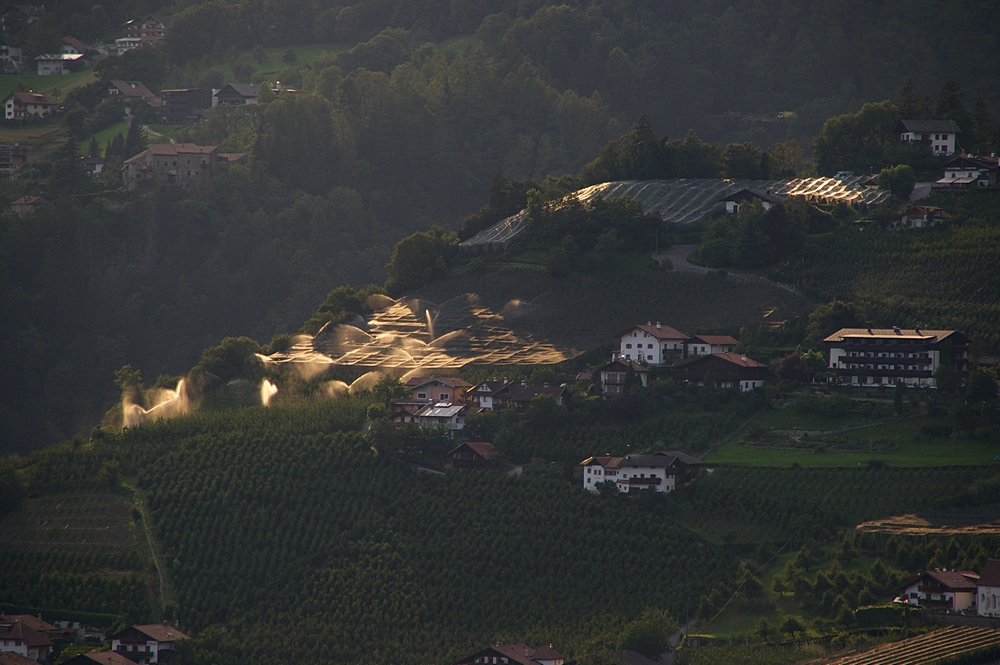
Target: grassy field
55, 86
899, 443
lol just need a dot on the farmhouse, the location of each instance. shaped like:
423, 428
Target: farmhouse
744, 196
474, 455
72, 45
724, 370
184, 105
24, 105
521, 395
654, 345
514, 654
450, 390
18, 636
887, 356
988, 590
920, 217
941, 589
51, 64
149, 643
149, 29
234, 94
26, 204
442, 414
482, 395
612, 376
131, 91
184, 164
939, 135
966, 171
663, 471
701, 345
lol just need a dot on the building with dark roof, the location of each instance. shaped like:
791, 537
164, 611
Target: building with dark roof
941, 589
724, 370
514, 654
149, 29
474, 455
235, 94
183, 106
744, 196
23, 105
20, 637
147, 643
481, 395
941, 136
612, 376
887, 356
130, 90
988, 590
701, 345
184, 164
100, 658
968, 172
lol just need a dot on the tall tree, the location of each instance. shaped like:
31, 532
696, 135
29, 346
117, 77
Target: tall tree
135, 139
983, 126
913, 104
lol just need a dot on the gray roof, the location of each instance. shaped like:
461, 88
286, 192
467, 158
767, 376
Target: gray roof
244, 89
930, 126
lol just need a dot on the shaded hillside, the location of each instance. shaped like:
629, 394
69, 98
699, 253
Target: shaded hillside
585, 311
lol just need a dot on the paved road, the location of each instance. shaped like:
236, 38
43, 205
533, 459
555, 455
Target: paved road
678, 256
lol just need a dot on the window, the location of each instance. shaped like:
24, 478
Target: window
649, 346
444, 397
628, 346
421, 395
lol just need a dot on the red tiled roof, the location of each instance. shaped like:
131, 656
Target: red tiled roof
11, 658
133, 89
29, 620
450, 381
658, 331
955, 579
546, 653
528, 393
161, 632
104, 658
519, 653
36, 98
75, 43
15, 630
482, 448
602, 460
991, 573
30, 201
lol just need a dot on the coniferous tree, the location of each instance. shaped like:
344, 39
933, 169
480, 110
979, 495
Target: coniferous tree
135, 140
913, 104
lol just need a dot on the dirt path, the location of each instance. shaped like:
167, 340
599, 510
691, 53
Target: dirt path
141, 505
799, 433
679, 254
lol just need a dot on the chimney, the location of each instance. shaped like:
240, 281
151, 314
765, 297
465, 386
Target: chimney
744, 357
658, 326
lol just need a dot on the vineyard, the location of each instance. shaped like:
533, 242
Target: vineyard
691, 200
754, 500
941, 646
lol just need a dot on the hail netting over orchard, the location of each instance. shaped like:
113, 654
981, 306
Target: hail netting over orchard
692, 200
407, 336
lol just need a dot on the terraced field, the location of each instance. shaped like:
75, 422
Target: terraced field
688, 201
77, 524
941, 646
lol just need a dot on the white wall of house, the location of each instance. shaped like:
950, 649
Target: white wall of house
746, 386
595, 473
959, 600
666, 476
139, 653
14, 646
988, 601
891, 361
640, 346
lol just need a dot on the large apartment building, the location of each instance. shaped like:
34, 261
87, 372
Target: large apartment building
887, 356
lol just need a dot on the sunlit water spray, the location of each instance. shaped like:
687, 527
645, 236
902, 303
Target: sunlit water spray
267, 392
430, 324
167, 404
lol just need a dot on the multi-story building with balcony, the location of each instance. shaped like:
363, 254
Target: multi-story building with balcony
887, 356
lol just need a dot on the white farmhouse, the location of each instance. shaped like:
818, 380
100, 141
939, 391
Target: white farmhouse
988, 590
662, 471
939, 135
703, 345
654, 345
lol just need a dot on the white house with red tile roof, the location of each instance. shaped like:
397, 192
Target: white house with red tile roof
663, 471
654, 345
22, 105
19, 637
941, 589
701, 345
147, 643
988, 590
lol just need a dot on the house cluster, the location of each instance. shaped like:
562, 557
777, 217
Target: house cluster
890, 356
956, 590
969, 172
701, 359
26, 639
449, 401
663, 471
